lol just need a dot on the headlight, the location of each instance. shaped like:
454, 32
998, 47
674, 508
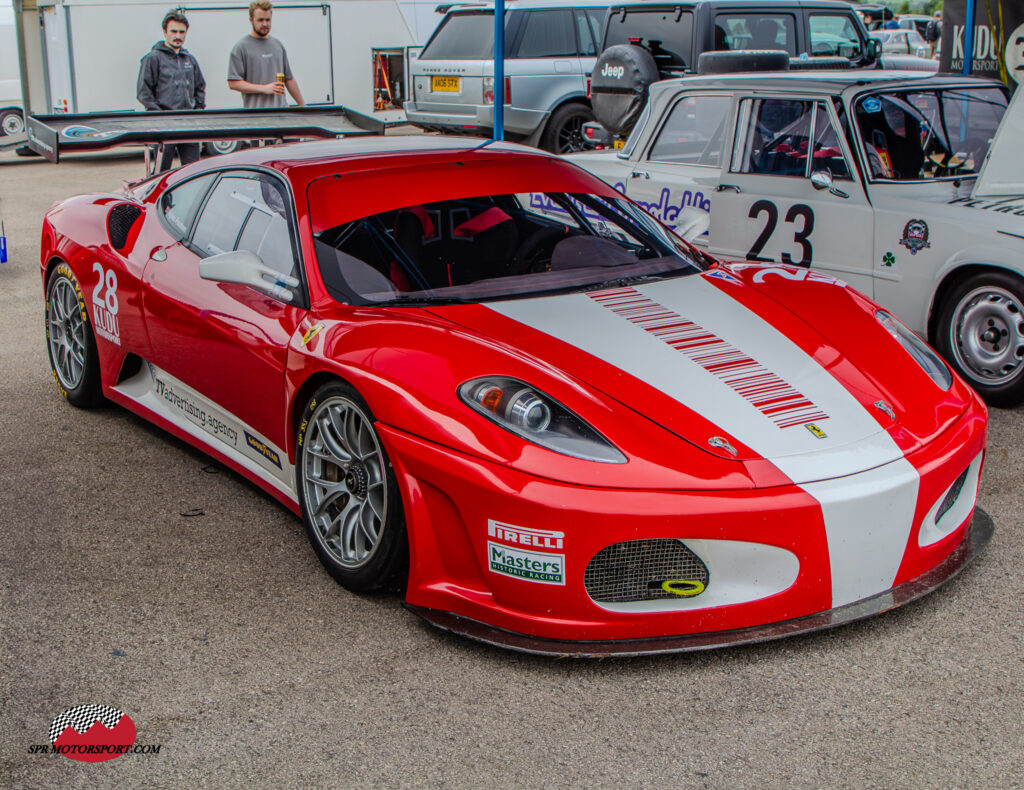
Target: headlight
918, 349
536, 417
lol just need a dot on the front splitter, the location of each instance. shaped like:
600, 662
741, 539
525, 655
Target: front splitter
979, 533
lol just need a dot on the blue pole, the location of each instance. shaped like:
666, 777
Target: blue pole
499, 70
969, 37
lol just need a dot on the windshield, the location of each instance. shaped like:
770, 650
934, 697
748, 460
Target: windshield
918, 134
496, 247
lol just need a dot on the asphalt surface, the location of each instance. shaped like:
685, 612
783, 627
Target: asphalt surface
137, 573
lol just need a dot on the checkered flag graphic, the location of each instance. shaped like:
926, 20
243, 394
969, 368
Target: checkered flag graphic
83, 717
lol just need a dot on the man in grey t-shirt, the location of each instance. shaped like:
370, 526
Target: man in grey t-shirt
258, 67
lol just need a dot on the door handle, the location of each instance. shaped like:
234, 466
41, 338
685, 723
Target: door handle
724, 187
640, 174
158, 254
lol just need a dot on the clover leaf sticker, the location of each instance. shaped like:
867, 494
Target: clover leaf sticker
888, 259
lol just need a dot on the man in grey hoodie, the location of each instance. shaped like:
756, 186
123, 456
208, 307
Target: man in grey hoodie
170, 79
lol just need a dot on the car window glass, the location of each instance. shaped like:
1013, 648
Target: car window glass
755, 31
547, 34
265, 231
835, 35
596, 17
774, 137
224, 214
494, 246
588, 45
667, 33
827, 154
693, 132
179, 205
915, 135
463, 36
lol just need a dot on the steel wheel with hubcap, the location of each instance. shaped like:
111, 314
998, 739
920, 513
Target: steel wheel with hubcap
70, 341
981, 333
348, 492
12, 122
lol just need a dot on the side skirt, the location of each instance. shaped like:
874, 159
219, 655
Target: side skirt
161, 398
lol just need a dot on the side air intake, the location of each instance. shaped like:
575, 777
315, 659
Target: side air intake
120, 221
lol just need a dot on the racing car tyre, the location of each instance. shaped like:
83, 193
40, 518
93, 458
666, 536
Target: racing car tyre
12, 122
70, 342
619, 86
727, 62
349, 497
564, 131
980, 332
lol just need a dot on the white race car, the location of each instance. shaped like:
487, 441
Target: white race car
876, 178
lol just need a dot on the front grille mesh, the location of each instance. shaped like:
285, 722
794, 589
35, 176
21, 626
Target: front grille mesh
952, 496
635, 570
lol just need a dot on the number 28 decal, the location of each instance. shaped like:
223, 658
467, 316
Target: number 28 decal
801, 236
108, 281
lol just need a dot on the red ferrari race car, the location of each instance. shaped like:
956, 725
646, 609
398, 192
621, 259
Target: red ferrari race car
483, 376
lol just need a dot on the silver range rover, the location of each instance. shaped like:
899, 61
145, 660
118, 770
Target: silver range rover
550, 48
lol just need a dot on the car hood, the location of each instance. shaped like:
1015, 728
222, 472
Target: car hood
1002, 173
722, 360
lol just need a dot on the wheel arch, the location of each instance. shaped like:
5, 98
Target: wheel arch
573, 98
299, 400
950, 280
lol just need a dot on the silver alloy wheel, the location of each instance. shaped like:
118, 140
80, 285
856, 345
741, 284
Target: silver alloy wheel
344, 481
66, 333
12, 122
987, 335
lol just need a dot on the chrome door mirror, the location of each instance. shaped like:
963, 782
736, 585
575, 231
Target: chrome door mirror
822, 179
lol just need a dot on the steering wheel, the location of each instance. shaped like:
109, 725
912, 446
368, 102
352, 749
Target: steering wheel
534, 254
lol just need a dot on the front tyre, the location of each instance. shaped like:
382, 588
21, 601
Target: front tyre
70, 342
348, 493
981, 333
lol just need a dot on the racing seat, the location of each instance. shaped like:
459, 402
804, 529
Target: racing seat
476, 247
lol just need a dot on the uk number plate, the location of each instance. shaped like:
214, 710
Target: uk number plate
446, 84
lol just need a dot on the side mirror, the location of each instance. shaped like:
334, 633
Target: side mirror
247, 268
874, 49
692, 222
822, 179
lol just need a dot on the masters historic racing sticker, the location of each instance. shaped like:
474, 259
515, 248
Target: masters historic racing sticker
915, 236
515, 556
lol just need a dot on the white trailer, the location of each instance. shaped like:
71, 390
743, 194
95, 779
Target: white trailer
11, 117
83, 56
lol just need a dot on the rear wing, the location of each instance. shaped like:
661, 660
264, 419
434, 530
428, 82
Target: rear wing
52, 135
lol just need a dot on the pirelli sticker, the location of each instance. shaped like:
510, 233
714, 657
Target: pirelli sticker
527, 554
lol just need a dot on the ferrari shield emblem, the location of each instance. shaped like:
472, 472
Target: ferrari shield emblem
820, 434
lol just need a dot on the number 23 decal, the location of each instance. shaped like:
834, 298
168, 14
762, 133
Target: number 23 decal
801, 237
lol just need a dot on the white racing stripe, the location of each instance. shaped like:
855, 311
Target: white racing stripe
853, 441
693, 342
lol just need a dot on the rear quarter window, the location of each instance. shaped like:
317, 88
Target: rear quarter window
547, 34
